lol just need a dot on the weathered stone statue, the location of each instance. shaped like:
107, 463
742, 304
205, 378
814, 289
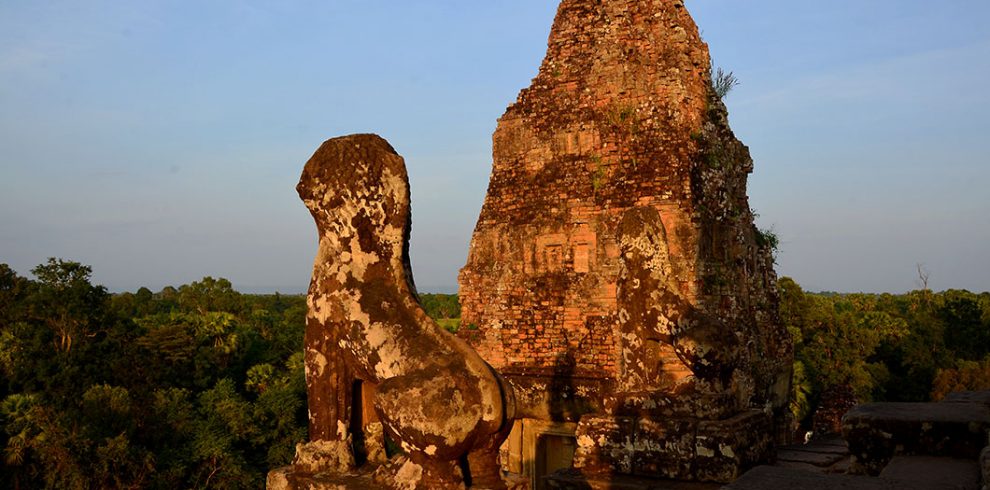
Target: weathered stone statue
433, 394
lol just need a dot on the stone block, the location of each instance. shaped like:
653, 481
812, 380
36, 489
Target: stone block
801, 466
682, 449
813, 458
644, 447
981, 397
813, 448
324, 456
551, 396
291, 478
777, 478
985, 467
727, 448
604, 445
877, 432
664, 448
665, 405
930, 471
575, 480
831, 441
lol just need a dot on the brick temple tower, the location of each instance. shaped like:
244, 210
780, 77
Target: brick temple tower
622, 129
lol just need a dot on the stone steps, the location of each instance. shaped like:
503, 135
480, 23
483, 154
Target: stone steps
825, 455
942, 474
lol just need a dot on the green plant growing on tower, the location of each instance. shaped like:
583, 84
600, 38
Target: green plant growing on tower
598, 177
723, 82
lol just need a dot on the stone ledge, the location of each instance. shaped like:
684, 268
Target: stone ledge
814, 448
290, 478
575, 480
682, 449
985, 467
929, 471
364, 478
877, 432
920, 412
727, 448
822, 460
694, 405
776, 478
981, 397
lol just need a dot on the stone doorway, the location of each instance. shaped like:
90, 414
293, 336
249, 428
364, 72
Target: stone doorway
536, 448
368, 438
553, 452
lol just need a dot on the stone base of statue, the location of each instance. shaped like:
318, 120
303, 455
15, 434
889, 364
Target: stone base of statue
686, 449
292, 478
397, 473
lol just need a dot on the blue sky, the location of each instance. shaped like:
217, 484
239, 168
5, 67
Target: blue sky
160, 141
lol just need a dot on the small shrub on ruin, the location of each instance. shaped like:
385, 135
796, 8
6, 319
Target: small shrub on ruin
723, 82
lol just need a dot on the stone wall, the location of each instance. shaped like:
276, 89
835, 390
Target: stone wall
621, 116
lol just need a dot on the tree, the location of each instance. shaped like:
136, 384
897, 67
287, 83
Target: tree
965, 333
188, 388
836, 338
965, 376
210, 295
13, 290
67, 302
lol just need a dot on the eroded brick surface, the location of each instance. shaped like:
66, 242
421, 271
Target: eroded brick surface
622, 117
616, 243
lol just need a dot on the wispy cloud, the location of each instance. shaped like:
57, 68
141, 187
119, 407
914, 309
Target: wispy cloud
30, 57
924, 73
35, 37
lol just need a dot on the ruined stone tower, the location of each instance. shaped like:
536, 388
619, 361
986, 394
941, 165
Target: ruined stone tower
615, 268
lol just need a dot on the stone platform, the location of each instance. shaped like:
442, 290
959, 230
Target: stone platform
292, 478
941, 474
575, 480
829, 454
980, 397
985, 467
877, 432
944, 445
933, 472
680, 449
288, 478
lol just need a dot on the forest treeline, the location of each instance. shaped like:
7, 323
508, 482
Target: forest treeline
917, 346
194, 387
203, 387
